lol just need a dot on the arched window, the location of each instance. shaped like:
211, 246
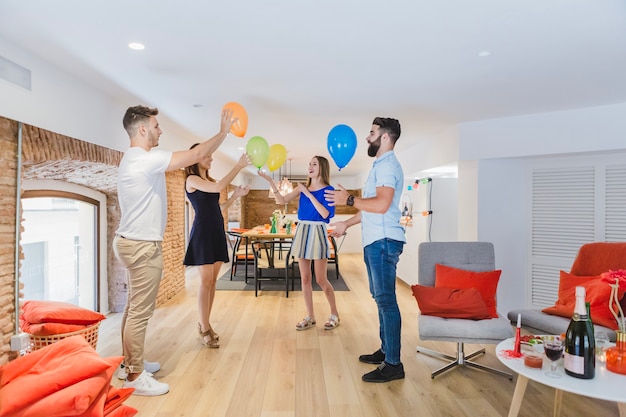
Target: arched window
60, 244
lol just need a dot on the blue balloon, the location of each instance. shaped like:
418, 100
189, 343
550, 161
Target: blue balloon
341, 144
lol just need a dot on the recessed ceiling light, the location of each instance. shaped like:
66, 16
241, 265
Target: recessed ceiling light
484, 54
136, 46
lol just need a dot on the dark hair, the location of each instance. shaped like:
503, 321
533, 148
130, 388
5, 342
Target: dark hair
388, 125
135, 116
324, 170
195, 168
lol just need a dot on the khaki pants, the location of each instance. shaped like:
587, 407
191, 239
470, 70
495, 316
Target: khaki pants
143, 261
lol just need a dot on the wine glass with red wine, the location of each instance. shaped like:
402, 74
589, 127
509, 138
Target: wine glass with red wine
553, 348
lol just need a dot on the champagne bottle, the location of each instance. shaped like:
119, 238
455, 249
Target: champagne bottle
589, 319
580, 357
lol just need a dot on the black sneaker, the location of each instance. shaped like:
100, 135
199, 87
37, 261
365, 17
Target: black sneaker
375, 358
385, 373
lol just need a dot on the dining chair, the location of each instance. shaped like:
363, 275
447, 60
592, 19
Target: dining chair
240, 256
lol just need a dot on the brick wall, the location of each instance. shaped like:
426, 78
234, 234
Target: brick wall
257, 207
47, 155
8, 181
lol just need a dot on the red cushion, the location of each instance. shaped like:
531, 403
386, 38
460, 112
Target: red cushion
34, 311
485, 282
84, 398
39, 374
444, 302
47, 329
123, 411
597, 293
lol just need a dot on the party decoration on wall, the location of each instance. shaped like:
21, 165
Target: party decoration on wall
277, 157
258, 151
341, 144
240, 127
419, 181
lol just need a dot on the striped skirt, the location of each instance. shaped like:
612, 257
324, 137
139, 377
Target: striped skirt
310, 241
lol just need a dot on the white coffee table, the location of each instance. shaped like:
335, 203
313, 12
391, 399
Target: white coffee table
606, 385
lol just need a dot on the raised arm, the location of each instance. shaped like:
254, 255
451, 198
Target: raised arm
182, 159
240, 191
280, 199
194, 182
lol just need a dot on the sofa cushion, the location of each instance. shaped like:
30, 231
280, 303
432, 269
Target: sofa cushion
35, 311
43, 372
485, 282
597, 294
466, 303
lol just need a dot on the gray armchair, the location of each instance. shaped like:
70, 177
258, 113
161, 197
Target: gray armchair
472, 256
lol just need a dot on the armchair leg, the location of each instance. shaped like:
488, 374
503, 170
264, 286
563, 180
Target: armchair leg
460, 359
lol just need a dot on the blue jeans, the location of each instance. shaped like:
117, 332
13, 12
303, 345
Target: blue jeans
381, 258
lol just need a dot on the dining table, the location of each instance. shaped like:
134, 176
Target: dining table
263, 241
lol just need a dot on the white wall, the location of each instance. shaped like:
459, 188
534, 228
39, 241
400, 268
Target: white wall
583, 130
502, 218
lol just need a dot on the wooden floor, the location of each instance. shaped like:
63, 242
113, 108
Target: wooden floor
265, 368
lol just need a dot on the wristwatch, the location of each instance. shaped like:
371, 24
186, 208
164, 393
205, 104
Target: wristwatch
350, 200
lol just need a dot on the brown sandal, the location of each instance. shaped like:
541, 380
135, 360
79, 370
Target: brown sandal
213, 341
213, 334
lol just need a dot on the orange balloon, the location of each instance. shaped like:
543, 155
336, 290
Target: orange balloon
240, 127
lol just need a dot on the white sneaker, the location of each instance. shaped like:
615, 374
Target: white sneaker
150, 367
146, 385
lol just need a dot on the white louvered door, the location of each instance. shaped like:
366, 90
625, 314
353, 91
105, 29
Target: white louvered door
573, 201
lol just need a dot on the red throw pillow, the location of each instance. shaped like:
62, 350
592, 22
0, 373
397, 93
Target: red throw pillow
452, 303
84, 398
47, 329
35, 311
485, 282
39, 374
597, 292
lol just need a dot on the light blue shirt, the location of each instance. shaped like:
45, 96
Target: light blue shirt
386, 172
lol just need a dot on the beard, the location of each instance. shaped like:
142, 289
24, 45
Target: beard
154, 140
374, 146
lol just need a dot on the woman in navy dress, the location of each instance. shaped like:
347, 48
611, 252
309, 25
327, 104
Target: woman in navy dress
207, 247
310, 242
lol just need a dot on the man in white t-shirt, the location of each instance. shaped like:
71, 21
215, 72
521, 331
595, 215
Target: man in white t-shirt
142, 197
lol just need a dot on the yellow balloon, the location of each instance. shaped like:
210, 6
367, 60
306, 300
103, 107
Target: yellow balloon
277, 157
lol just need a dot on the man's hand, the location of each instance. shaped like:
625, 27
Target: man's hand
227, 121
337, 197
340, 229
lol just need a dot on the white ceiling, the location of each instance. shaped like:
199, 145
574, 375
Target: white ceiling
301, 68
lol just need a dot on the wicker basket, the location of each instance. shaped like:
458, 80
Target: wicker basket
89, 333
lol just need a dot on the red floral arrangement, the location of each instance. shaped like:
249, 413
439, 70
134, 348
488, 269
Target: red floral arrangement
617, 281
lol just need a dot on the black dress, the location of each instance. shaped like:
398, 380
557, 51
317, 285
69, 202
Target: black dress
207, 241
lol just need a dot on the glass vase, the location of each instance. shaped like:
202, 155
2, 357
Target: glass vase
273, 229
616, 355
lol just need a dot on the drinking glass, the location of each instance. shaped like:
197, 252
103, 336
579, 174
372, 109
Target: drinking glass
554, 350
602, 342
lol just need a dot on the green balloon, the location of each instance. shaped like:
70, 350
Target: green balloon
258, 151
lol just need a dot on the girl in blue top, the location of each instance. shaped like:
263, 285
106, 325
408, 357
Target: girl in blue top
310, 242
